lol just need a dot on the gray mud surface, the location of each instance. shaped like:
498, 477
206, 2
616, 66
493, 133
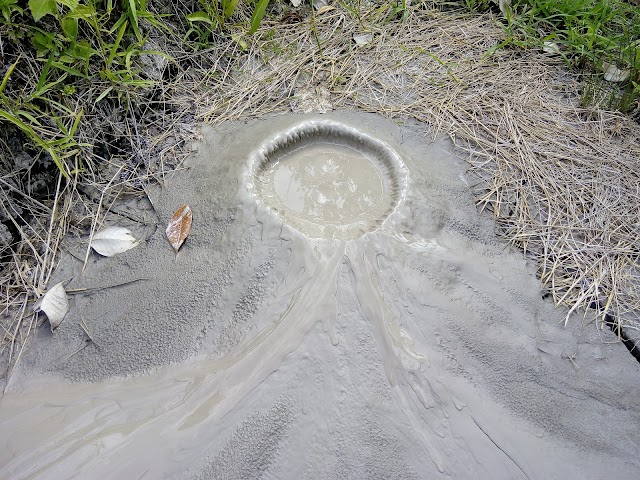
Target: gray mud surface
422, 349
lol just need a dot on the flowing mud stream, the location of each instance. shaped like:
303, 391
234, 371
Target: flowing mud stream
340, 310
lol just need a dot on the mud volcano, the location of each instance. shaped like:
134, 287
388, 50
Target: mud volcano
328, 180
341, 310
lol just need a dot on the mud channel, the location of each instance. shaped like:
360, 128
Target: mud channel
340, 310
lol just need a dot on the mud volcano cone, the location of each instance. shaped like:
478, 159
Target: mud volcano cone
341, 310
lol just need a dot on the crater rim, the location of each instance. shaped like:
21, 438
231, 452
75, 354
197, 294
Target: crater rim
382, 157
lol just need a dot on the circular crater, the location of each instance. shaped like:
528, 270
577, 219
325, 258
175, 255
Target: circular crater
328, 180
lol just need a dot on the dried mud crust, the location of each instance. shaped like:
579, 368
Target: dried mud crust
422, 349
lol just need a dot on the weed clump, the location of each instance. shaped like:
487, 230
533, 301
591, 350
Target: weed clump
598, 37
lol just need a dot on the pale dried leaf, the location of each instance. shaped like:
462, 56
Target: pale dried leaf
318, 4
326, 8
363, 39
505, 6
179, 226
113, 240
614, 74
296, 3
54, 304
550, 47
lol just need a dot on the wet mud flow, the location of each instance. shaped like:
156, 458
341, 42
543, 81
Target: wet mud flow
340, 310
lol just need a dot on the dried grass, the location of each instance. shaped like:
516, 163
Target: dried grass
562, 181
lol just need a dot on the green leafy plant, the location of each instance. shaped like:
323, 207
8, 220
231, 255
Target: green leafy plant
72, 41
589, 34
216, 13
478, 5
24, 115
201, 28
394, 10
9, 8
90, 47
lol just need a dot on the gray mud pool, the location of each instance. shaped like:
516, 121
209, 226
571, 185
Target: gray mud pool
340, 311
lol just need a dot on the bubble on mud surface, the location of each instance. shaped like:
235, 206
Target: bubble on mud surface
328, 180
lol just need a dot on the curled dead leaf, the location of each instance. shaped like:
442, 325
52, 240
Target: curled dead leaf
54, 304
113, 240
179, 226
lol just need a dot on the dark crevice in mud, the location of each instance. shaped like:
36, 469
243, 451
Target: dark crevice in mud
632, 346
610, 321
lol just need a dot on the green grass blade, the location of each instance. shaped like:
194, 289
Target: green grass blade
134, 19
28, 116
21, 125
153, 20
76, 123
229, 7
103, 94
37, 139
7, 75
199, 17
118, 24
69, 70
116, 45
58, 162
43, 76
258, 13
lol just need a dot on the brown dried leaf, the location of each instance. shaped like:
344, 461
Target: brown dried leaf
179, 226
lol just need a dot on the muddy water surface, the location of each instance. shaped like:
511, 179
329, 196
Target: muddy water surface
299, 335
326, 184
